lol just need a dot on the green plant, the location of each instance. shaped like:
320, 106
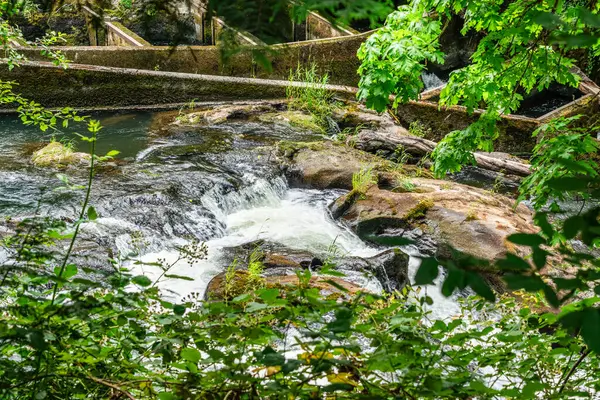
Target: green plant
404, 185
417, 128
307, 91
564, 151
255, 269
521, 47
471, 215
363, 180
230, 281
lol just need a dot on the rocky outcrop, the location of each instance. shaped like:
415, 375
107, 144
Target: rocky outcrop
454, 216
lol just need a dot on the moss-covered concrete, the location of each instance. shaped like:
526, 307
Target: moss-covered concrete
335, 56
94, 86
515, 131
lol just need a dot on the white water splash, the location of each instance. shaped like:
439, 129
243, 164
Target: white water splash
431, 80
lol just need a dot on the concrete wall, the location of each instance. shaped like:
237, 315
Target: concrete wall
336, 56
318, 27
94, 86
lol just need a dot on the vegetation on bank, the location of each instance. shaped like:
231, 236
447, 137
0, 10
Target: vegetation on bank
68, 331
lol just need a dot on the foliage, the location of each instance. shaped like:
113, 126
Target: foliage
564, 155
98, 338
404, 185
306, 91
417, 128
271, 19
523, 46
363, 180
392, 59
68, 331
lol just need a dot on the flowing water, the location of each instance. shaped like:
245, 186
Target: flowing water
216, 184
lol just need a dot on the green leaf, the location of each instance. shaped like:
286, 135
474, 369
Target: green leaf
572, 226
511, 262
480, 287
527, 283
166, 396
113, 153
91, 213
179, 309
181, 277
526, 239
268, 295
455, 279
36, 338
70, 271
539, 257
427, 272
547, 20
252, 307
338, 387
141, 280
590, 329
190, 354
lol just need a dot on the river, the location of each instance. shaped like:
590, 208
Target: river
216, 184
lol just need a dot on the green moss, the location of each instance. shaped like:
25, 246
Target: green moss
288, 149
419, 210
297, 119
57, 155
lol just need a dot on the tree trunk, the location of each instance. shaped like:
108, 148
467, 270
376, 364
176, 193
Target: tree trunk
373, 141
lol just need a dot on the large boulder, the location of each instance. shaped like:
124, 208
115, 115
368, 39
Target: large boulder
330, 165
455, 216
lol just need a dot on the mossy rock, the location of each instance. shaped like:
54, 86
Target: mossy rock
325, 165
57, 155
297, 119
470, 220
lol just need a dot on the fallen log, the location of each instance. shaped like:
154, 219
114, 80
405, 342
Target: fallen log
373, 141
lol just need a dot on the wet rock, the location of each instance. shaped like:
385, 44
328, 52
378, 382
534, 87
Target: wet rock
227, 112
272, 255
470, 220
57, 155
389, 267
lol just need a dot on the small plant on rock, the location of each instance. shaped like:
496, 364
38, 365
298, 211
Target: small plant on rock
363, 180
307, 92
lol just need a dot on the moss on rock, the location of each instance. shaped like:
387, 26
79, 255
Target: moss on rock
57, 155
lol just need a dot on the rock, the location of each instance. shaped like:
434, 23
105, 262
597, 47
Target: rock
272, 255
296, 119
57, 155
226, 112
329, 165
389, 267
470, 220
239, 283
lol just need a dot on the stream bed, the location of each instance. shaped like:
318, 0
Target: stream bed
217, 184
